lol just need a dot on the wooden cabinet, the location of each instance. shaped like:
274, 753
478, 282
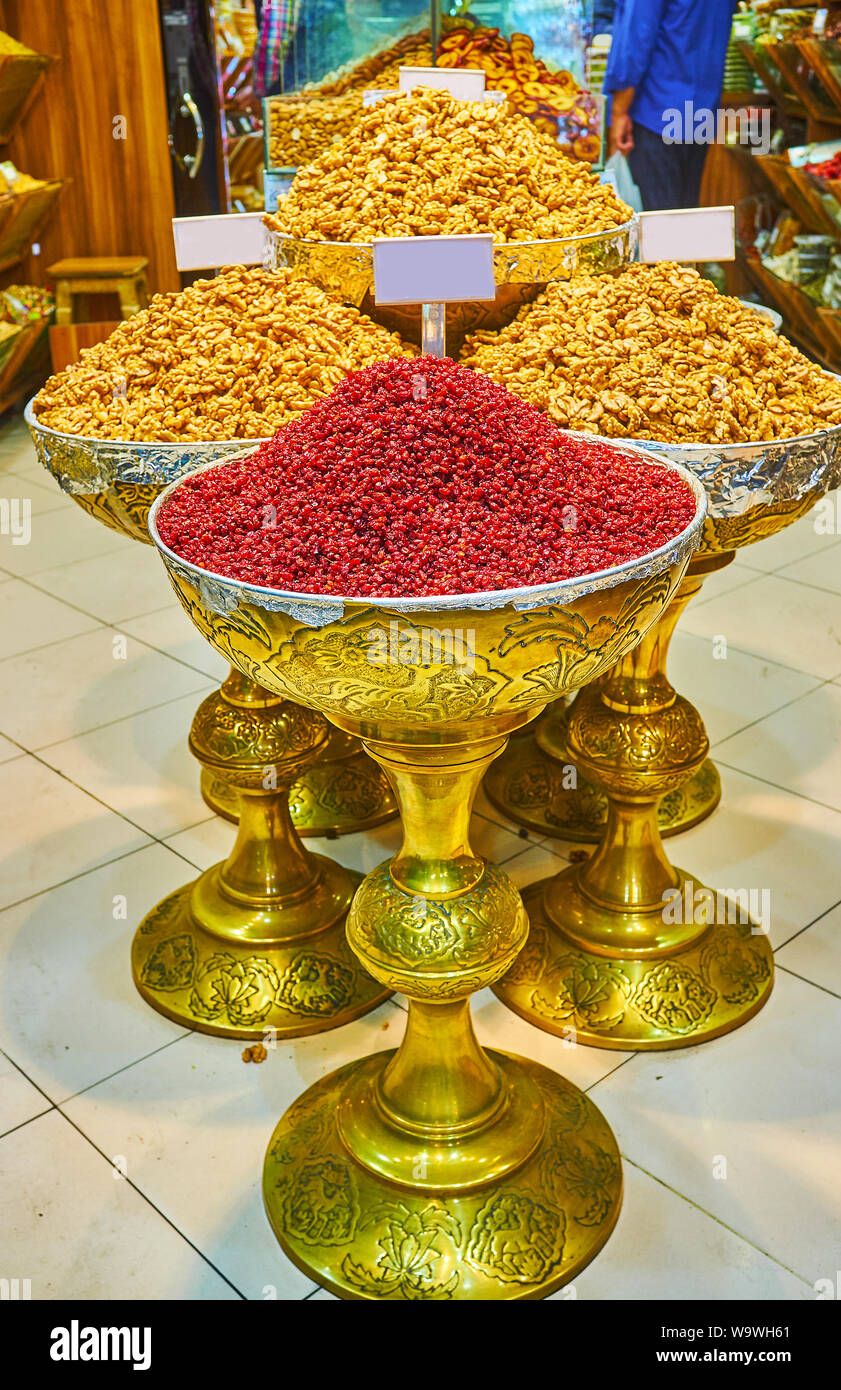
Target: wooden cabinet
100, 123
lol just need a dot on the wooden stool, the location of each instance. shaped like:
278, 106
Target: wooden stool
124, 276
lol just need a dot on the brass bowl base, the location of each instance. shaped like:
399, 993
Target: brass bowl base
527, 785
243, 987
715, 984
519, 1236
333, 796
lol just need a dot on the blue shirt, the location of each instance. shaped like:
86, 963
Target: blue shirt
671, 52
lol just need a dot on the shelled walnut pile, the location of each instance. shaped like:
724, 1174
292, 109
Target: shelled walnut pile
426, 164
657, 353
303, 127
230, 358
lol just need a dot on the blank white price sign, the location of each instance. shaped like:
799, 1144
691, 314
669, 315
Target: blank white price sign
688, 234
233, 238
466, 83
433, 269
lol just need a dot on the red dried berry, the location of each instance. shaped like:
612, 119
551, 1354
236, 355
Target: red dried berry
421, 477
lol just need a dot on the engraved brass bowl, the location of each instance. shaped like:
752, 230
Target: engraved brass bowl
608, 962
117, 481
521, 270
438, 1171
754, 491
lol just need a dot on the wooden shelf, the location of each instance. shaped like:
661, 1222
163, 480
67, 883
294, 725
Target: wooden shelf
21, 217
823, 56
809, 325
21, 79
804, 82
245, 157
780, 175
16, 375
772, 79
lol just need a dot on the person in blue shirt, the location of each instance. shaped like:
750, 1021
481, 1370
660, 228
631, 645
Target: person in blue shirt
665, 54
603, 16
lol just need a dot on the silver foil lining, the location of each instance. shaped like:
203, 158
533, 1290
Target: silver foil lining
741, 477
83, 466
347, 267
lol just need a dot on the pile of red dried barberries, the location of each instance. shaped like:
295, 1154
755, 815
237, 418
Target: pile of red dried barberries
422, 477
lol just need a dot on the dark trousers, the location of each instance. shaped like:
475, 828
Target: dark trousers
668, 176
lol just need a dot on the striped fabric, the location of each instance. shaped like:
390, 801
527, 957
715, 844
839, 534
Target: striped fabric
278, 23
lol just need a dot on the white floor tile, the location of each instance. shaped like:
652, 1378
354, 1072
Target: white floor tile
198, 1109
733, 576
109, 591
492, 841
497, 1026
541, 861
761, 837
15, 436
360, 852
68, 946
170, 631
43, 700
816, 952
806, 537
30, 619
759, 1108
50, 830
665, 1247
18, 456
732, 692
798, 747
776, 620
141, 766
822, 570
19, 1099
39, 496
78, 1231
59, 538
9, 750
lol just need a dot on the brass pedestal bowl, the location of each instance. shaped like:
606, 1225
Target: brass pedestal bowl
117, 481
521, 270
626, 950
755, 491
439, 1170
228, 954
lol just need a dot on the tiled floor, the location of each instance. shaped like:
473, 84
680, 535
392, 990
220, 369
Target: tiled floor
131, 1150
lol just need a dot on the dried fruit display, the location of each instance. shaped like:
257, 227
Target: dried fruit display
304, 124
228, 358
657, 353
427, 164
423, 478
553, 100
380, 69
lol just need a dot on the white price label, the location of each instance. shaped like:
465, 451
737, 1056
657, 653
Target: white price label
688, 234
466, 83
432, 269
233, 238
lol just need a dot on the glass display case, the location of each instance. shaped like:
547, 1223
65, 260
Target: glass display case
333, 50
